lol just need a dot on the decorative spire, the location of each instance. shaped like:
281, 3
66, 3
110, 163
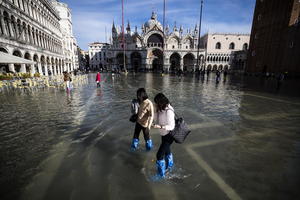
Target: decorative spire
113, 27
167, 29
181, 29
128, 27
143, 28
153, 16
175, 28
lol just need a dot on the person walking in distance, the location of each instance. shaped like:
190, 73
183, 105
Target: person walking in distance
218, 76
144, 120
164, 118
98, 79
67, 79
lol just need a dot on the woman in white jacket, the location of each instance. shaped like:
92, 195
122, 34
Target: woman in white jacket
165, 121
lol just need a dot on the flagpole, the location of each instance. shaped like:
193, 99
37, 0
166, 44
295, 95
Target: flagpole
164, 18
123, 38
199, 35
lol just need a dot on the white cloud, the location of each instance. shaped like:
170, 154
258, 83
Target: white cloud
90, 27
89, 23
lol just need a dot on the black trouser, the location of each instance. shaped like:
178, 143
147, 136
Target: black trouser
137, 131
164, 148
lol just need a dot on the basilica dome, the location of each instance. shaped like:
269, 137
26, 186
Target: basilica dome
152, 22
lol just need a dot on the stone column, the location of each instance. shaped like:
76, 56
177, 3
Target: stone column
23, 68
181, 64
55, 68
30, 36
46, 70
40, 68
11, 29
11, 68
3, 26
32, 69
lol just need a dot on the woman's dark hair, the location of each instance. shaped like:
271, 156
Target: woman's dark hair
141, 95
161, 101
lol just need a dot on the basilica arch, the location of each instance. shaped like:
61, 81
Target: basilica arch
156, 59
120, 60
155, 40
136, 60
175, 62
188, 62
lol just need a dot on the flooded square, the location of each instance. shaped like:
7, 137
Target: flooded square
244, 144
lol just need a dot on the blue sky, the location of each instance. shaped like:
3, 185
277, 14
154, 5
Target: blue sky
91, 17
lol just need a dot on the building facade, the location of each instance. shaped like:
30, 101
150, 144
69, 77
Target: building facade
155, 49
221, 49
275, 42
69, 42
82, 59
98, 55
31, 29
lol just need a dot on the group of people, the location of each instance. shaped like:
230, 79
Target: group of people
162, 117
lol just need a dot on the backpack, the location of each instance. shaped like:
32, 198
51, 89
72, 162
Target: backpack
135, 106
134, 110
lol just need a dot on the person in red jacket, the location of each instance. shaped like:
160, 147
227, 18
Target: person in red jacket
98, 79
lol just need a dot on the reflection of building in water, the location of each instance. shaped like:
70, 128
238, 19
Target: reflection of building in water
222, 48
275, 42
145, 50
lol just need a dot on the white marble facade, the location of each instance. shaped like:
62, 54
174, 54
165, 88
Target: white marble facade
69, 43
31, 29
98, 55
221, 49
154, 48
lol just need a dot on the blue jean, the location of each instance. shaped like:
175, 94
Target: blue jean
164, 148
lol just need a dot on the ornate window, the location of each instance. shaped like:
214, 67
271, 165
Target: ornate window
231, 45
218, 45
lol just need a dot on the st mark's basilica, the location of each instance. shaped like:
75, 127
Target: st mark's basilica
155, 49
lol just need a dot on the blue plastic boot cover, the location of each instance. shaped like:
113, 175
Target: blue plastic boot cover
149, 145
169, 159
161, 167
135, 143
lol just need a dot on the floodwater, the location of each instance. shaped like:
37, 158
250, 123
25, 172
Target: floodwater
244, 144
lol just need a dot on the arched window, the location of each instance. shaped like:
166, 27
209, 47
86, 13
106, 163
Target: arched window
245, 47
231, 45
218, 45
6, 24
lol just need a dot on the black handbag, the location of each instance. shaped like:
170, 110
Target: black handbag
133, 118
181, 130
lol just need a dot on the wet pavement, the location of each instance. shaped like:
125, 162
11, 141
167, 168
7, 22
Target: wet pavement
245, 141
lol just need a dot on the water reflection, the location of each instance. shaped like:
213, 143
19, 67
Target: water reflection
56, 145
